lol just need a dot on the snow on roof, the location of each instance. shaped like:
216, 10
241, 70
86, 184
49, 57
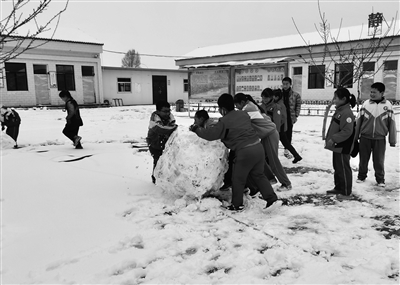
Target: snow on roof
312, 38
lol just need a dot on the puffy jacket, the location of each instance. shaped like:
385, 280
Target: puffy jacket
234, 130
376, 120
342, 130
159, 130
294, 104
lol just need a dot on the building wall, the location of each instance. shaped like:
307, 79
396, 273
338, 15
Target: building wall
141, 84
52, 54
328, 91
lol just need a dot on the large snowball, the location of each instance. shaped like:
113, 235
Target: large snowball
191, 166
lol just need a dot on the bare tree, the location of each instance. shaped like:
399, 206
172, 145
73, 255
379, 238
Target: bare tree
17, 19
347, 58
131, 59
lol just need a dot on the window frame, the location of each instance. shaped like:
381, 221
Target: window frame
315, 79
16, 79
124, 85
185, 85
65, 77
341, 71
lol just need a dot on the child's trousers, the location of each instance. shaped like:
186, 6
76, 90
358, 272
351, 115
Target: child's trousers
378, 148
250, 161
271, 145
343, 176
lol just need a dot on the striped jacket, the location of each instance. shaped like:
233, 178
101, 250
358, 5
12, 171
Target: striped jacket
376, 120
159, 130
261, 123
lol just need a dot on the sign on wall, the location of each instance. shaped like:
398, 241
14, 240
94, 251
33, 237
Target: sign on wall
254, 80
208, 84
53, 79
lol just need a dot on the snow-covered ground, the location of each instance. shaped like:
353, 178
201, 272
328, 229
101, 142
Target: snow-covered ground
100, 220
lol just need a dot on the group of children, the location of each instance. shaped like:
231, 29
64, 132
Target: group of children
252, 134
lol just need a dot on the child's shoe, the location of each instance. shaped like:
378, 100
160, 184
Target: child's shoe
333, 192
360, 180
234, 209
287, 154
77, 139
342, 197
285, 187
272, 205
381, 184
297, 159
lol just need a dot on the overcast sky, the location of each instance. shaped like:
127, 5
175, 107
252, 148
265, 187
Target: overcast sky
175, 28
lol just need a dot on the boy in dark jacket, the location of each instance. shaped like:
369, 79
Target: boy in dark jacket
10, 118
234, 129
74, 120
339, 140
161, 126
375, 121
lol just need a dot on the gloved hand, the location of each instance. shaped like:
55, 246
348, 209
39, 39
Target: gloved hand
193, 128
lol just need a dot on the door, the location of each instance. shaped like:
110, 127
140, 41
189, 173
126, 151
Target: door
89, 94
159, 88
42, 90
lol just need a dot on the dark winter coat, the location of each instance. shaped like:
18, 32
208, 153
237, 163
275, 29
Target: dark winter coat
342, 130
11, 119
74, 116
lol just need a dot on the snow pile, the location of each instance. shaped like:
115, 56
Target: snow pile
190, 166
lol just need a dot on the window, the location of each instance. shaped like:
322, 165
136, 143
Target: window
368, 66
16, 77
39, 69
185, 85
87, 71
124, 84
367, 78
297, 70
344, 75
65, 77
316, 77
390, 65
390, 78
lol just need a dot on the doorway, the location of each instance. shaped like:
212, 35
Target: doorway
159, 88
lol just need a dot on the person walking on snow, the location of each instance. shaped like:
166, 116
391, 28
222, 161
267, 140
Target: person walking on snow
292, 101
74, 120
